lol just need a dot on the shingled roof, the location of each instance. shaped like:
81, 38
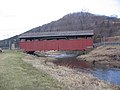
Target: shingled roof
53, 34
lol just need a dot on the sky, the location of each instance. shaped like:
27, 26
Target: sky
18, 16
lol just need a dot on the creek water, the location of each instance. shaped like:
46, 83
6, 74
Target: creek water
111, 75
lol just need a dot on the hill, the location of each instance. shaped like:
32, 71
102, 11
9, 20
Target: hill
103, 26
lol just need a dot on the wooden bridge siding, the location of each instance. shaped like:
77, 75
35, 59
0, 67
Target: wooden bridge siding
79, 44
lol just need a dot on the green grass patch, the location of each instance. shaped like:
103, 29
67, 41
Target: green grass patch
15, 74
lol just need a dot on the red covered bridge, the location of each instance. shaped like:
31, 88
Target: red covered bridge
63, 40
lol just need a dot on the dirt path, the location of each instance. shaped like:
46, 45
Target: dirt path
73, 79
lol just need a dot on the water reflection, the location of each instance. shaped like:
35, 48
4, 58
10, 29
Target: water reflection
62, 56
72, 63
109, 75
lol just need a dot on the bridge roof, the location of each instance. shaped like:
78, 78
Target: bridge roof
55, 34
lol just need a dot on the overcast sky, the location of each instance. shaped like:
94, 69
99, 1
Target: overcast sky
18, 16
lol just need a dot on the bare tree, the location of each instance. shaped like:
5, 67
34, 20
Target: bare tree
85, 18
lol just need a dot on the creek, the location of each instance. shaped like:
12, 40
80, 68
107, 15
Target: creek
111, 75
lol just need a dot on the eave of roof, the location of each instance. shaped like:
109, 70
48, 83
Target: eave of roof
60, 33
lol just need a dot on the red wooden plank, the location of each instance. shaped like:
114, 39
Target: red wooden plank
78, 44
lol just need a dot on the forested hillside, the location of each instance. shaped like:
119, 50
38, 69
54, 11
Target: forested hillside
103, 26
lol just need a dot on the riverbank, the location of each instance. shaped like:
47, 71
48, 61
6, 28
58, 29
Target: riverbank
15, 74
71, 78
27, 72
104, 55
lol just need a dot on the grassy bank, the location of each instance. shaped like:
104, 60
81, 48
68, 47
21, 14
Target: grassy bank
15, 74
108, 55
71, 78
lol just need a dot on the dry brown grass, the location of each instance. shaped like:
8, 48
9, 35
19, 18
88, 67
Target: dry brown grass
108, 55
72, 79
113, 39
103, 53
